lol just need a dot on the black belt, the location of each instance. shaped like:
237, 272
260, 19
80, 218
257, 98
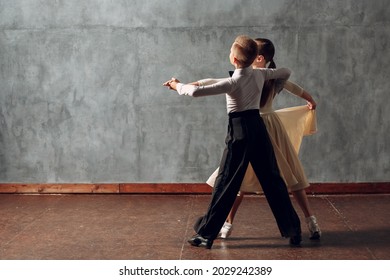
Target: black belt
247, 113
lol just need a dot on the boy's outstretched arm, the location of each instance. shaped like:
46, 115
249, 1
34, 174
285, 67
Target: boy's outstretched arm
197, 89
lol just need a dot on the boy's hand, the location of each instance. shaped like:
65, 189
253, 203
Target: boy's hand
172, 83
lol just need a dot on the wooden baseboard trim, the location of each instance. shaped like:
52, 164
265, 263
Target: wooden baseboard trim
178, 188
349, 188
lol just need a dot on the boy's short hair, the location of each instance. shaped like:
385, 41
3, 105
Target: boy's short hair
245, 50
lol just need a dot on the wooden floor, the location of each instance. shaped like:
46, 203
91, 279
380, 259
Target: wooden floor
156, 227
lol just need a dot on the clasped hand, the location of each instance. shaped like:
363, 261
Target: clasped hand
172, 83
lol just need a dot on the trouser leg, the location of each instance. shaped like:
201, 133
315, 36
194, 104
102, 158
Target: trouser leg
265, 166
231, 173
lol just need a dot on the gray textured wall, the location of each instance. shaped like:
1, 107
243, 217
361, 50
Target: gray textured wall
81, 96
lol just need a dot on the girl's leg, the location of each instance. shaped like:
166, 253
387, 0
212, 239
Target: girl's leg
235, 207
301, 197
227, 227
311, 221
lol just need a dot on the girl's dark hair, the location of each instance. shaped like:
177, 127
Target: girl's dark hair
267, 49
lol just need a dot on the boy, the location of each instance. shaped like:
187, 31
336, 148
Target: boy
247, 141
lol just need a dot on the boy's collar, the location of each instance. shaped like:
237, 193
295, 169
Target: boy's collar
242, 71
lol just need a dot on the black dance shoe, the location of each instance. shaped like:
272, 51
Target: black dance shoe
199, 241
295, 241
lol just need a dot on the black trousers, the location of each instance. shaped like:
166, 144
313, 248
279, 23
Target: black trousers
248, 141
